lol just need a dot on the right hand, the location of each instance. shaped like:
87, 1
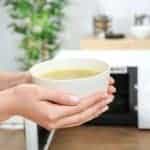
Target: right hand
53, 109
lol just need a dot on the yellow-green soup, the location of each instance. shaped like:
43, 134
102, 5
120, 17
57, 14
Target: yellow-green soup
67, 74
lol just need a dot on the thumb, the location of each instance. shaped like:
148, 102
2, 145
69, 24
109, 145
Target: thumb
59, 97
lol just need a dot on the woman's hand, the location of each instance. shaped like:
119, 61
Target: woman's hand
89, 108
9, 80
55, 109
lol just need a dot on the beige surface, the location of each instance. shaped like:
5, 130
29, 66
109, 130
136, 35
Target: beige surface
101, 138
95, 43
85, 138
12, 140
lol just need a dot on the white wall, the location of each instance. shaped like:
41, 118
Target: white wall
78, 24
81, 12
8, 43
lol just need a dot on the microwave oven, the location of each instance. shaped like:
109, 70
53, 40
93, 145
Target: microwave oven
131, 70
123, 110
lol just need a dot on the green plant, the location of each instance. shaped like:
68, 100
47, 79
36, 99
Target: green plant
40, 22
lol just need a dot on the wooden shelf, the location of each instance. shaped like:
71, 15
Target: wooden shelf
128, 43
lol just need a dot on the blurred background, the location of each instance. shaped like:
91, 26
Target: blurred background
32, 31
78, 23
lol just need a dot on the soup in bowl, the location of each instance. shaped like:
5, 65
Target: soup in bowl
78, 76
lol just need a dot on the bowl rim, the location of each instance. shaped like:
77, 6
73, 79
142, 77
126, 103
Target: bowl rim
101, 74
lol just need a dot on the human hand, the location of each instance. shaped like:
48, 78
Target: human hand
56, 109
11, 79
89, 108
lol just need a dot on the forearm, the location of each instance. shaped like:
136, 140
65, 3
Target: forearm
8, 80
7, 104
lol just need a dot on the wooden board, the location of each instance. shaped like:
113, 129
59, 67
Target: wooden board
101, 138
95, 43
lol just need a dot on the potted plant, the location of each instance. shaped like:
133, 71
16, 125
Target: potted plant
39, 22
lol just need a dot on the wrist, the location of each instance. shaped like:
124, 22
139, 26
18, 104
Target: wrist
7, 104
25, 77
9, 80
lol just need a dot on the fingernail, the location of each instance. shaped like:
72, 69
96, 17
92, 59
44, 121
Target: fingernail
112, 80
74, 98
105, 109
114, 90
111, 99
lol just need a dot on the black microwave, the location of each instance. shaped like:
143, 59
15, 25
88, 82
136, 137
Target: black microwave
123, 111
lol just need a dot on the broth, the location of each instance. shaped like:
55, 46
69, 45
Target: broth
67, 74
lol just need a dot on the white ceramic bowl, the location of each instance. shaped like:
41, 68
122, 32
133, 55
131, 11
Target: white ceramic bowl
140, 31
80, 86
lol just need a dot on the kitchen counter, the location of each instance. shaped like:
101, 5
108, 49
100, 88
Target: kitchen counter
85, 138
101, 138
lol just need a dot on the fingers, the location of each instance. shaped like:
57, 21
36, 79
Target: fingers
111, 90
84, 116
92, 99
100, 112
85, 103
58, 96
103, 110
111, 81
66, 111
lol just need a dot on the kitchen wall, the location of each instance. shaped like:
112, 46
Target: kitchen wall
8, 42
78, 24
81, 12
